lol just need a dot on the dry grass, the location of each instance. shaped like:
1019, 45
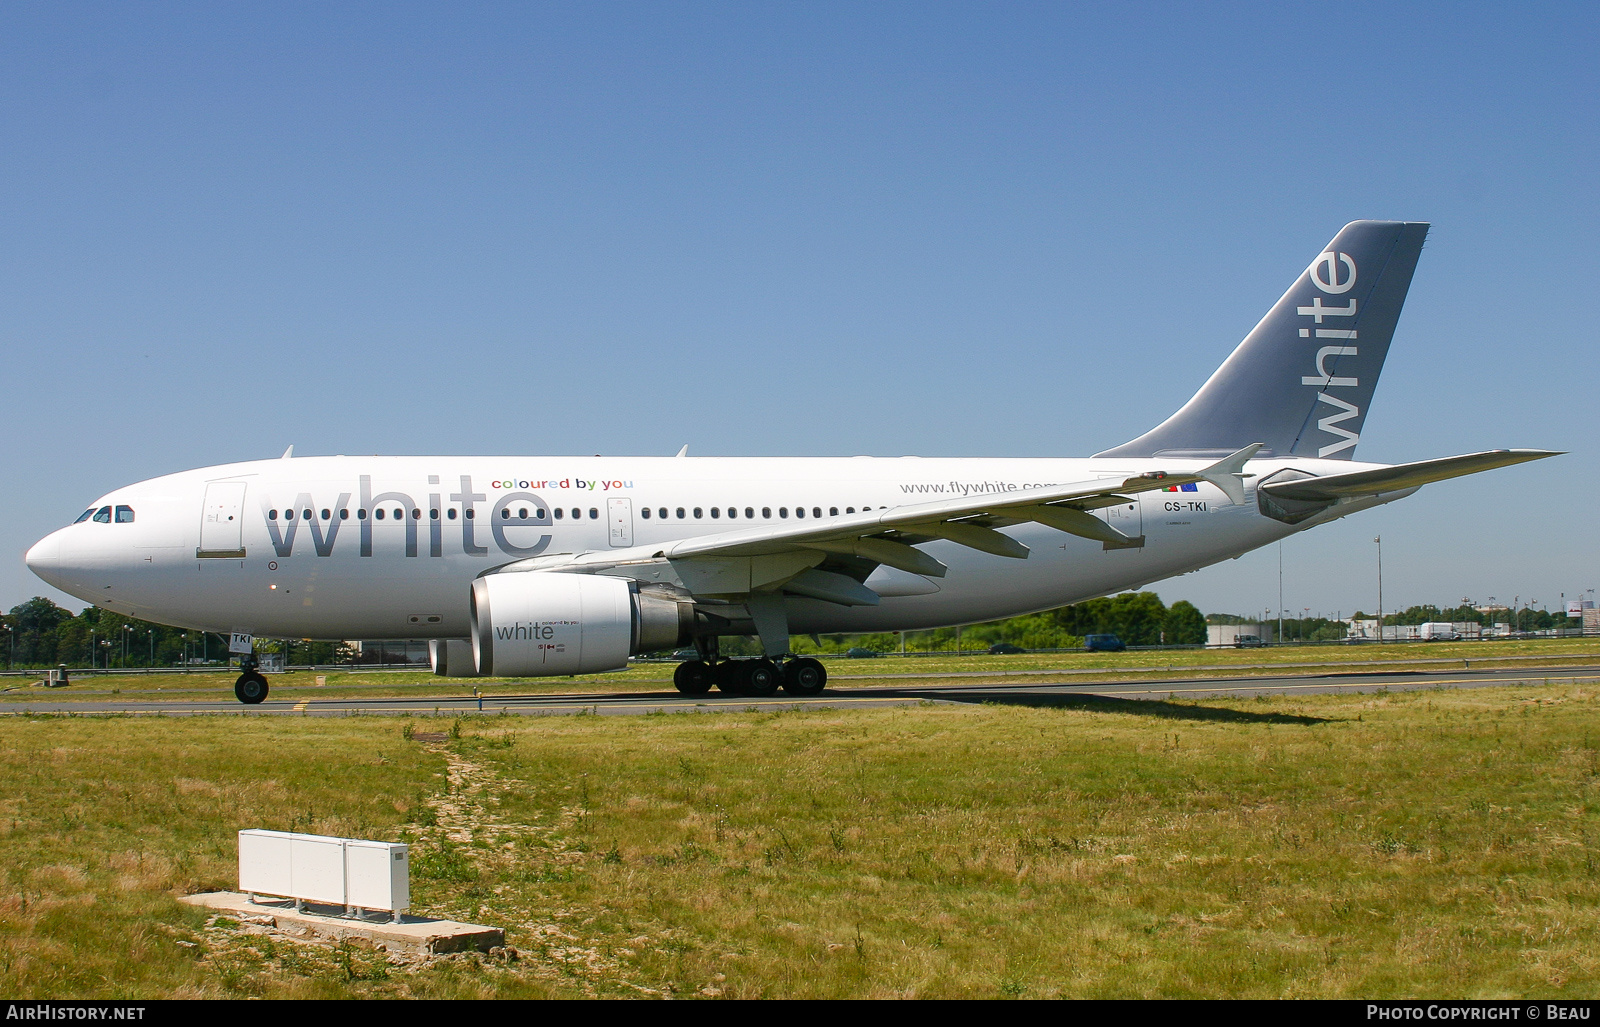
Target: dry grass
1435, 843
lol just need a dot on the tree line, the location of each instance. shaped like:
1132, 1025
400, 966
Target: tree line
1522, 619
1324, 629
1138, 618
42, 634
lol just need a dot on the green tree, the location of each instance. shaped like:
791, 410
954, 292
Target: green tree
1137, 618
1185, 624
34, 623
1423, 614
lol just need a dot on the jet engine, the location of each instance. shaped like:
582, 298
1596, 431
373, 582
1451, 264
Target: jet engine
540, 624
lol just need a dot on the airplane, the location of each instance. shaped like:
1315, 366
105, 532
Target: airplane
518, 566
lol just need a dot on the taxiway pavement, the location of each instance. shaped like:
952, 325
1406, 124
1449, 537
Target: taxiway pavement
932, 690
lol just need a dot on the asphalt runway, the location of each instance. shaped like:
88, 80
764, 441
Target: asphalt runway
1076, 693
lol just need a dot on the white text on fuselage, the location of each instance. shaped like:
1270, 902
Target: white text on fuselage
1333, 273
456, 511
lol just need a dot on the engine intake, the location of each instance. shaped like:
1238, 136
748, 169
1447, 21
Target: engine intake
542, 624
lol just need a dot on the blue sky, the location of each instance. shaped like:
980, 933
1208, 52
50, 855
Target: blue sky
943, 229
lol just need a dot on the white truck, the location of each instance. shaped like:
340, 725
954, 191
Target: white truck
1438, 631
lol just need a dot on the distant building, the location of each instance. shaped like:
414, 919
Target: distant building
1368, 629
1228, 634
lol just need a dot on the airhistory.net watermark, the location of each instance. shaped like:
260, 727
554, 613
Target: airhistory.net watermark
71, 1011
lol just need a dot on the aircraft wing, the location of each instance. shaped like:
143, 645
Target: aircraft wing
1357, 484
888, 536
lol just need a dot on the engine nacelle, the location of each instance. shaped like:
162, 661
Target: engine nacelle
541, 624
452, 657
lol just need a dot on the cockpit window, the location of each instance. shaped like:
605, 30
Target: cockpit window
124, 515
84, 516
103, 515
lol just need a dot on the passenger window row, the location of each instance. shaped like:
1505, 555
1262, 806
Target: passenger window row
732, 512
124, 514
399, 514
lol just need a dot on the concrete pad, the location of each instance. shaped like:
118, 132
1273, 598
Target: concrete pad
328, 923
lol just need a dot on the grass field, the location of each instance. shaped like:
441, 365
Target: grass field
1434, 843
898, 671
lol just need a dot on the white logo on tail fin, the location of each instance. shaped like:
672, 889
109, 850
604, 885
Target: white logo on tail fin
1322, 377
1324, 272
1330, 424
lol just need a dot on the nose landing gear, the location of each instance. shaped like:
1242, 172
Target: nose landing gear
251, 688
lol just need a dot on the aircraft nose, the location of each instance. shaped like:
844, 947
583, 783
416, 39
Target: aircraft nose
44, 559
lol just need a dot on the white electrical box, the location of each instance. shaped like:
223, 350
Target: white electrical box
315, 868
377, 875
264, 862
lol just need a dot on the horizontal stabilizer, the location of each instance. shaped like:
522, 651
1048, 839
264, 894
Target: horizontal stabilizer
1401, 476
1227, 474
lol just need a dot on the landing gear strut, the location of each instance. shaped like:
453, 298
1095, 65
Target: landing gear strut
251, 688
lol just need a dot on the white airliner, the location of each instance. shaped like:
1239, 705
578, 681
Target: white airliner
528, 566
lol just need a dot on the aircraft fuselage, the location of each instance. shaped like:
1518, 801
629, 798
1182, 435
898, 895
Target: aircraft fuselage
387, 547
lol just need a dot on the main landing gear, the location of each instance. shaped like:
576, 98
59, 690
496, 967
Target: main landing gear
251, 688
760, 677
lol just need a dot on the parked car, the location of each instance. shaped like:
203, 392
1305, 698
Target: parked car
861, 654
1248, 642
1103, 644
1005, 649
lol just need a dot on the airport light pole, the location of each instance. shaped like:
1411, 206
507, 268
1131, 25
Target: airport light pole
1379, 540
1280, 590
11, 649
152, 633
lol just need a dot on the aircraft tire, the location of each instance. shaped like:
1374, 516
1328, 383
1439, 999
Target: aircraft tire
727, 676
693, 677
760, 677
804, 676
251, 688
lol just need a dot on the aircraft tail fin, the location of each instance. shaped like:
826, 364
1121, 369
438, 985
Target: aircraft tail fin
1302, 380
